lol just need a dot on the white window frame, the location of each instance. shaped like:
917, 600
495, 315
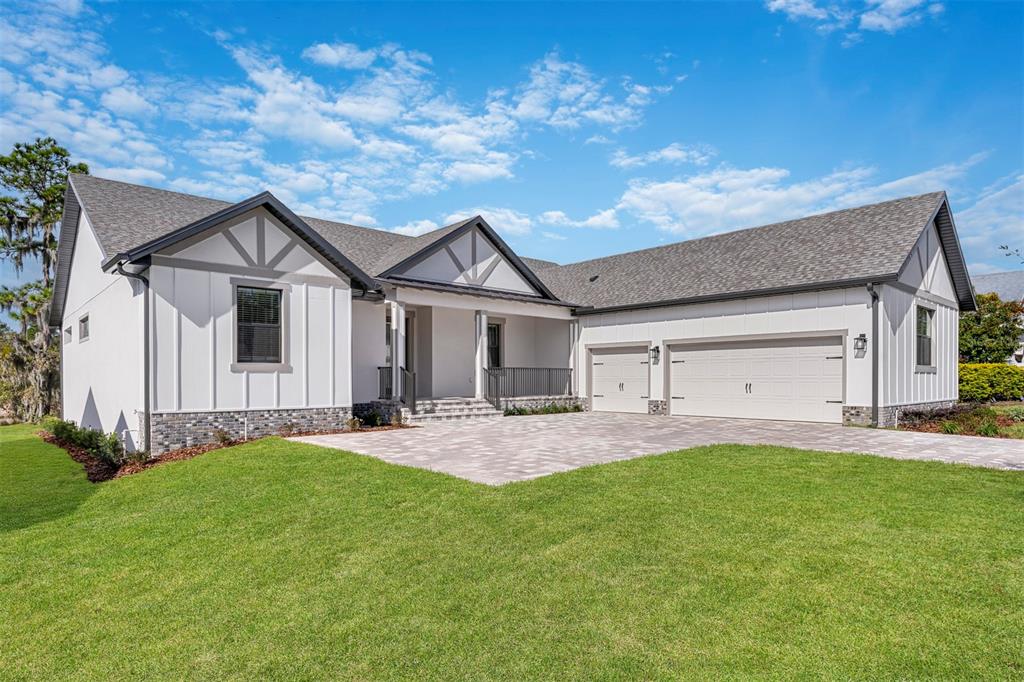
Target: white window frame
286, 290
88, 328
929, 368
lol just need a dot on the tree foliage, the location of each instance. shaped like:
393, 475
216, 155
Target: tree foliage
992, 332
34, 177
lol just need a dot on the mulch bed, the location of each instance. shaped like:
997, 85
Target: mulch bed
935, 426
98, 470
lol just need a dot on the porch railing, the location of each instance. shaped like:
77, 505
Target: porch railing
521, 382
406, 386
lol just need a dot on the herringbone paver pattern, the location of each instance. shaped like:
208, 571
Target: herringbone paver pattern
519, 448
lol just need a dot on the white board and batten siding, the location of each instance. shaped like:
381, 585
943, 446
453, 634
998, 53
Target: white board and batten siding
924, 281
193, 339
471, 259
837, 315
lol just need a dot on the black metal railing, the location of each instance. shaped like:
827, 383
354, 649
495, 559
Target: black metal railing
407, 394
521, 382
406, 386
384, 383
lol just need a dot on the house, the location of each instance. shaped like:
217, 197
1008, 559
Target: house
183, 315
1008, 286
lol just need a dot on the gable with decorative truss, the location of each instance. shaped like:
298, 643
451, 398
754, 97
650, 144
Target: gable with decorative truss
470, 259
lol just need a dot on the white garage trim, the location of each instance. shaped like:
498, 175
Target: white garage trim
791, 377
629, 394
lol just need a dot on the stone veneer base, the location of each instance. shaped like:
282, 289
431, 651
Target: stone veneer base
176, 430
889, 415
538, 401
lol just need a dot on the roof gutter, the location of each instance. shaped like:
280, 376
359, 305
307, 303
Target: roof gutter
751, 293
874, 353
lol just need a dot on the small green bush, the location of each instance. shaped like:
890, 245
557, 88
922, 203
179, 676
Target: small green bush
989, 429
949, 427
550, 408
374, 418
107, 447
353, 423
988, 382
222, 437
1015, 413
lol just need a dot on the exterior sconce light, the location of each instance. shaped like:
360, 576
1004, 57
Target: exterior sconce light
655, 354
860, 343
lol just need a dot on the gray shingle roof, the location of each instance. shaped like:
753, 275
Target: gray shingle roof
1008, 285
855, 244
852, 244
125, 216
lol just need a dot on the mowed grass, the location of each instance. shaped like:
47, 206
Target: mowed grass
282, 560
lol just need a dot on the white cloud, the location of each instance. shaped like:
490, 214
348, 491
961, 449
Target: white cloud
566, 94
554, 236
607, 219
674, 153
996, 218
144, 176
126, 101
345, 55
727, 198
889, 16
416, 228
505, 220
598, 139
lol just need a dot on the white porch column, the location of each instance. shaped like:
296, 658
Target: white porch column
574, 361
397, 347
481, 354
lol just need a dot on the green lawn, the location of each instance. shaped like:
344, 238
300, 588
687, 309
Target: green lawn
283, 560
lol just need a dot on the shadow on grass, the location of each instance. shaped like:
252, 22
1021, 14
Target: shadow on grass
38, 482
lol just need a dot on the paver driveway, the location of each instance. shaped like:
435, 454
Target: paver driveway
502, 450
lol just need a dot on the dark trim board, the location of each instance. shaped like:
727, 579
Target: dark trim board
278, 210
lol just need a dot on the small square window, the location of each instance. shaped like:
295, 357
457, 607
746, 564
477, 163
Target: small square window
67, 334
83, 328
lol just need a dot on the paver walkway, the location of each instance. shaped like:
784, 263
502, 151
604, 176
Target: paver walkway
503, 450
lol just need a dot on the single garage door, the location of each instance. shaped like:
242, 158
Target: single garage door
789, 379
620, 379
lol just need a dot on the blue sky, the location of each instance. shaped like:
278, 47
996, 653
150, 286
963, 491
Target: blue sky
578, 130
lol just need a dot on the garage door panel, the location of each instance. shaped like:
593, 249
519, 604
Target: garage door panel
787, 379
620, 379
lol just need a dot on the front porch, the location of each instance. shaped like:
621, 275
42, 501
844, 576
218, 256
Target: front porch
443, 350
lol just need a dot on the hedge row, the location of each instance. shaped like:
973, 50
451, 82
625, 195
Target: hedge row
985, 382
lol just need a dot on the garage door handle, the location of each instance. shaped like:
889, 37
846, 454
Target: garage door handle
679, 397
833, 357
645, 396
598, 395
837, 402
675, 361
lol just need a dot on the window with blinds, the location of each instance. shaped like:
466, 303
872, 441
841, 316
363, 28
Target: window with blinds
258, 316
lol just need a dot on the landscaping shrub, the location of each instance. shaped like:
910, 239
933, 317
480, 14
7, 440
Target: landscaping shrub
353, 423
949, 427
1015, 413
222, 437
550, 408
107, 447
374, 418
989, 429
988, 382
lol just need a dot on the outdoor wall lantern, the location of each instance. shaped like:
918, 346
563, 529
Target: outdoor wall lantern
860, 343
655, 354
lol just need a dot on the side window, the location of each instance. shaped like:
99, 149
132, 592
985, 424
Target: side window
258, 336
925, 324
83, 328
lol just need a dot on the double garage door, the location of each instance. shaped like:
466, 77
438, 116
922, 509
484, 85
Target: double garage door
787, 379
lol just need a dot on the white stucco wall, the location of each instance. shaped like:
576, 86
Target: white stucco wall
925, 281
101, 378
848, 310
193, 340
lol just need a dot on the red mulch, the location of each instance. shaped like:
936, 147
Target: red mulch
98, 470
935, 426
